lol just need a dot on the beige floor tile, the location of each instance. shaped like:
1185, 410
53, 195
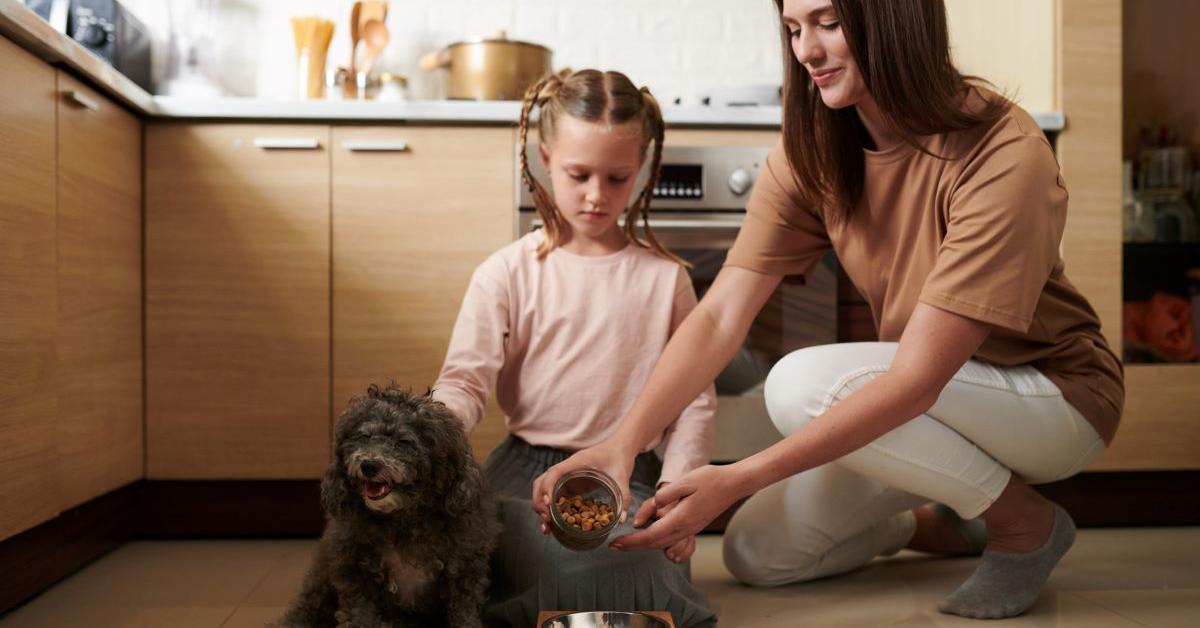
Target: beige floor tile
900, 591
254, 616
174, 573
282, 583
1161, 608
72, 615
1161, 557
148, 580
1118, 578
179, 617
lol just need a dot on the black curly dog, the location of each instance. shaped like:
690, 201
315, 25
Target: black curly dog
409, 528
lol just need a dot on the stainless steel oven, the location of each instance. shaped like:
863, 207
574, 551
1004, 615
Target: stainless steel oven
698, 208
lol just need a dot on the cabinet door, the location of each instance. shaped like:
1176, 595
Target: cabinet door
28, 298
409, 227
99, 293
1013, 44
237, 301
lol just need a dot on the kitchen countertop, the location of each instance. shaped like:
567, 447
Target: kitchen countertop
495, 112
487, 112
24, 27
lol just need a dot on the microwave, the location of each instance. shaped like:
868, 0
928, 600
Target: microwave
106, 29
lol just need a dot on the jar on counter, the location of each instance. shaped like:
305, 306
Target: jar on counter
336, 83
392, 88
584, 484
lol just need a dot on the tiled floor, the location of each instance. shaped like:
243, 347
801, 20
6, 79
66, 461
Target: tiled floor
1144, 577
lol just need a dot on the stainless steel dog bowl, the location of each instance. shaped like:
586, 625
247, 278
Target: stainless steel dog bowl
604, 619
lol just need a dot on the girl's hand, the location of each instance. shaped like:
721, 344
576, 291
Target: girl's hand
681, 550
607, 457
683, 508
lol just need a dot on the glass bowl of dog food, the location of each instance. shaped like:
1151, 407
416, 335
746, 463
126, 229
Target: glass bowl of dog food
584, 508
604, 619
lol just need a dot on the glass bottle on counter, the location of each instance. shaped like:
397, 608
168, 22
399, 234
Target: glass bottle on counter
1138, 216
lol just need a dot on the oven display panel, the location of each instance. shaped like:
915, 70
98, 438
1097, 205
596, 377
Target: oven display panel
683, 181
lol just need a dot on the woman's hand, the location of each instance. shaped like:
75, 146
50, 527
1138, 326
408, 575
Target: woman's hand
682, 508
607, 457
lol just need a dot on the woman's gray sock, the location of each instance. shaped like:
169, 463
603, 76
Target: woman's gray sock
1007, 584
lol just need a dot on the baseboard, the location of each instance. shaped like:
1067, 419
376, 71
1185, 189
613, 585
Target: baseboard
1129, 498
35, 559
233, 508
32, 561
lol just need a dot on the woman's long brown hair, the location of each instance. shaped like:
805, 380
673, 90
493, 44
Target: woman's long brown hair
902, 48
599, 97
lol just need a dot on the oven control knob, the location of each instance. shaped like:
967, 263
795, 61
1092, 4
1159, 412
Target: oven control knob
739, 181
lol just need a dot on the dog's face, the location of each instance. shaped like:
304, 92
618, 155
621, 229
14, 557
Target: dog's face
383, 459
395, 453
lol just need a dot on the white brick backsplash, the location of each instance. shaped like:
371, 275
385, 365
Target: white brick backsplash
683, 26
640, 60
596, 22
464, 19
756, 23
535, 21
725, 58
576, 56
678, 48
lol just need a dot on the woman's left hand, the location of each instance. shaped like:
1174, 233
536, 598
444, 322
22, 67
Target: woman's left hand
685, 507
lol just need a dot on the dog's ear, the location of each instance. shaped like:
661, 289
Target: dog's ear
457, 475
335, 498
464, 494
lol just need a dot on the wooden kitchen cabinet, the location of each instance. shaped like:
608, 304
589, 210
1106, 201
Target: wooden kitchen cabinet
29, 478
1126, 52
237, 301
1013, 44
410, 224
99, 294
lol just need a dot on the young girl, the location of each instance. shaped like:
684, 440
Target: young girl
565, 323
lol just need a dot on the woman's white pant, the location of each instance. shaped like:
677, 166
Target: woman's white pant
988, 423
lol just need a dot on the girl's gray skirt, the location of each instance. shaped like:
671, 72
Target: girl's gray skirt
531, 572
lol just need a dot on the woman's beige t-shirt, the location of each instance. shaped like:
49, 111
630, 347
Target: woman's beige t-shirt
977, 235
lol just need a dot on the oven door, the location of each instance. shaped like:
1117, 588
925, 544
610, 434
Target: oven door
802, 312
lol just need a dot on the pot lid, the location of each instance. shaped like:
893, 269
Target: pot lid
499, 37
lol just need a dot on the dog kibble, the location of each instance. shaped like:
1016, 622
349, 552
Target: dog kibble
585, 513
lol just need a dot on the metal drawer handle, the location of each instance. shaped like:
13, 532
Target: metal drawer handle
82, 100
674, 223
293, 143
379, 146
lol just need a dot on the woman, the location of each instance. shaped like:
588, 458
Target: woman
945, 206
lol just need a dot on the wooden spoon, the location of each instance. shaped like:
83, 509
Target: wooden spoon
375, 38
354, 34
372, 10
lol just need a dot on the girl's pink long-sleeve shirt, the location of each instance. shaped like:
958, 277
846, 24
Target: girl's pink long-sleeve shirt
568, 342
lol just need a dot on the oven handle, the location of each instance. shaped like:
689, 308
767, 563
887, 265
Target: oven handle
675, 223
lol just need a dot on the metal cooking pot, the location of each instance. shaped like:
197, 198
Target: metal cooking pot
495, 68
